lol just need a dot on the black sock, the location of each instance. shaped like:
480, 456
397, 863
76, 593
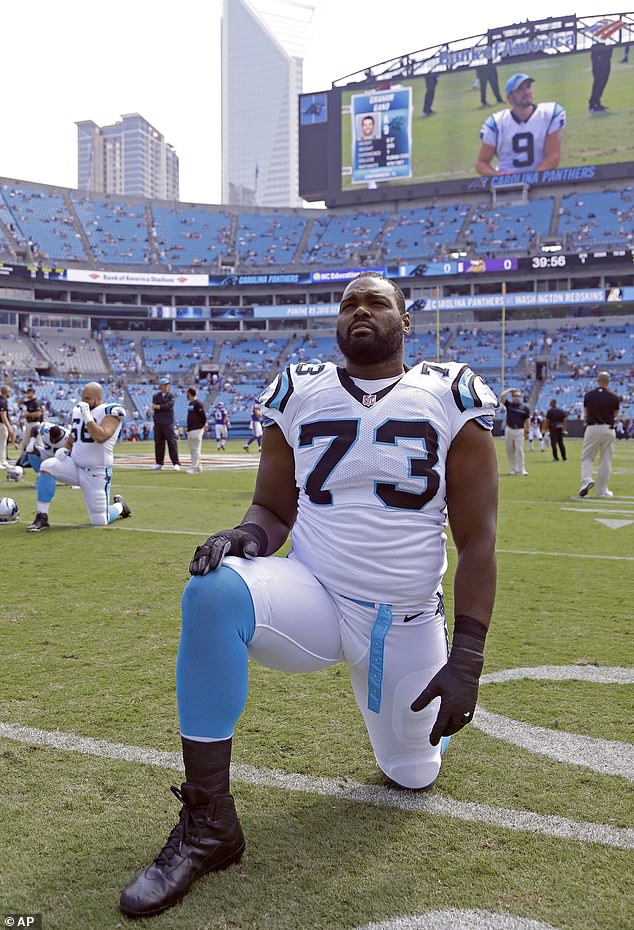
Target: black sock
207, 764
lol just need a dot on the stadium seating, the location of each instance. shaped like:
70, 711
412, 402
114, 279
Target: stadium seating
598, 219
335, 238
189, 236
509, 230
598, 344
124, 356
482, 348
176, 356
45, 222
117, 231
80, 355
422, 233
268, 240
16, 355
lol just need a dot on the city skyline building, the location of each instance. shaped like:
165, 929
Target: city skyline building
128, 157
263, 47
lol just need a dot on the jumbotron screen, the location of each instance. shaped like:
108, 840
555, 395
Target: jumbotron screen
410, 136
427, 129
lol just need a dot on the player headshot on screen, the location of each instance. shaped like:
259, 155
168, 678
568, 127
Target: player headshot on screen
525, 137
367, 128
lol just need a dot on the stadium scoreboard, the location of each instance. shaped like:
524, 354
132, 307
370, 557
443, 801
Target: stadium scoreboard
411, 127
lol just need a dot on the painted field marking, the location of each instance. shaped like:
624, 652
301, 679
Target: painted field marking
410, 801
608, 757
614, 524
598, 509
118, 528
459, 918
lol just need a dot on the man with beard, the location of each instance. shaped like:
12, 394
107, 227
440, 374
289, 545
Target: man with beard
363, 465
526, 137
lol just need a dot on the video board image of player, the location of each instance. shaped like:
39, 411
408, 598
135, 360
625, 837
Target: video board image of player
445, 139
381, 135
524, 137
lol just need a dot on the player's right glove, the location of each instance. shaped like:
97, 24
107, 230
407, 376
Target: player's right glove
247, 541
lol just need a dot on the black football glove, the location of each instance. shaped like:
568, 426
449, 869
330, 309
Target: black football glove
456, 684
247, 541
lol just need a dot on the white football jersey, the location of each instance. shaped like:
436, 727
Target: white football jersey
43, 442
370, 469
520, 146
86, 452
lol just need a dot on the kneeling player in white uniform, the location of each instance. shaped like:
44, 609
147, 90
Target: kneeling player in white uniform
95, 428
364, 464
524, 138
45, 441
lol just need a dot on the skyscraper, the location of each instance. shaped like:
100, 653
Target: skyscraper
263, 48
129, 157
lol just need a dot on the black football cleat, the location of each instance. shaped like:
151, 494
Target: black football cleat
207, 838
126, 512
39, 523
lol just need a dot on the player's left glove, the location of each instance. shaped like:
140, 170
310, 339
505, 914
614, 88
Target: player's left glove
456, 684
247, 541
84, 410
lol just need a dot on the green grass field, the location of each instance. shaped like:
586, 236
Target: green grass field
446, 144
90, 626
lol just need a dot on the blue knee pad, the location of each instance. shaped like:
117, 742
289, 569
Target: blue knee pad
212, 665
35, 462
45, 487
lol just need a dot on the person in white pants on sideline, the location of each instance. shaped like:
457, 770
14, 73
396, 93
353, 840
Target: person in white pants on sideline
516, 432
196, 422
599, 409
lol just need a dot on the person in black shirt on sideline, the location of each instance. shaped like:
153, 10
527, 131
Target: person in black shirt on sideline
517, 420
599, 408
163, 407
196, 422
556, 418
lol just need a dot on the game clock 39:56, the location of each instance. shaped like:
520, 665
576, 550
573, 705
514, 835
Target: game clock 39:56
548, 261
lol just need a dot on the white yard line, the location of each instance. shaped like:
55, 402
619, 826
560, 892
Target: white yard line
606, 513
119, 528
409, 801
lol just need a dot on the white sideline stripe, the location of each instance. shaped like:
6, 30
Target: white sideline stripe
459, 918
599, 509
117, 527
565, 555
409, 801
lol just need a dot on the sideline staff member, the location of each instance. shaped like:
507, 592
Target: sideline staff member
556, 418
599, 409
518, 418
163, 407
196, 422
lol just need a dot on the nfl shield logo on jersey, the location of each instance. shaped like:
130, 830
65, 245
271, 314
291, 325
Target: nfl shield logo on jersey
369, 400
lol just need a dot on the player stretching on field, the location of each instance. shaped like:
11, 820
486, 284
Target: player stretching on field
95, 427
363, 465
525, 138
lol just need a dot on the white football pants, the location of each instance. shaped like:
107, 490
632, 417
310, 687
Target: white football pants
301, 627
598, 439
94, 482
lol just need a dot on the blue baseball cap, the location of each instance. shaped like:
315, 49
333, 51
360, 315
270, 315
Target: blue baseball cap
514, 82
165, 381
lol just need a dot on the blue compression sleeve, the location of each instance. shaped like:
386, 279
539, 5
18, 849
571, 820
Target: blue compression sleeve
211, 668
